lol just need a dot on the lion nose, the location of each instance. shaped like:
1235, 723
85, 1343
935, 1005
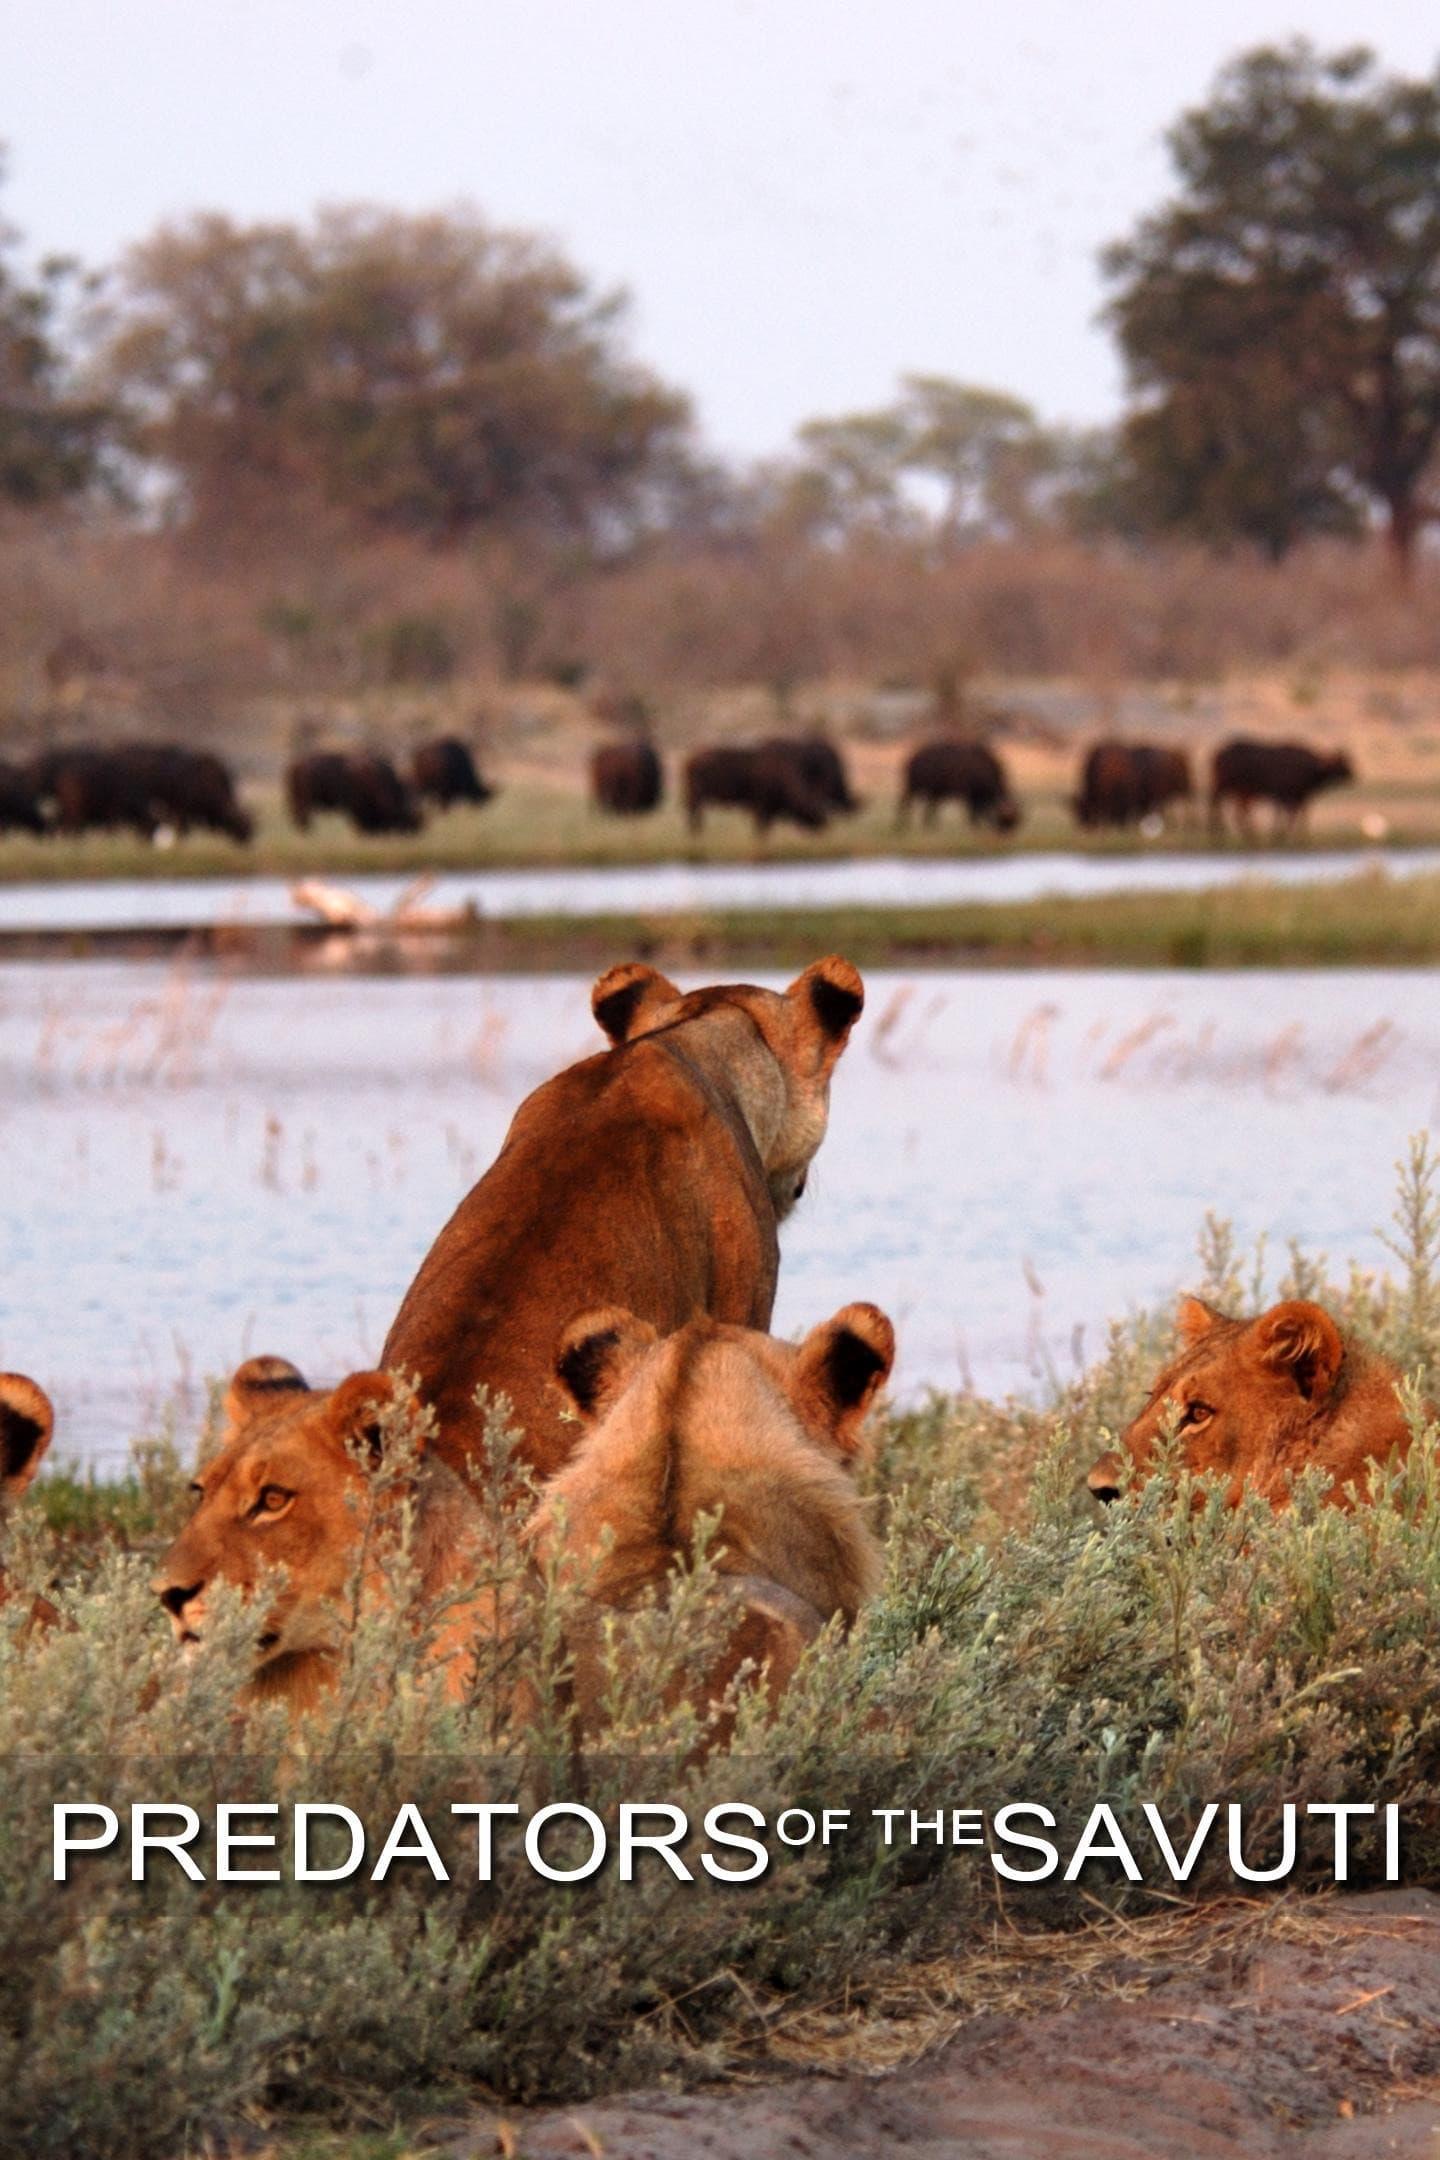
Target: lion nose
176, 1597
1104, 1480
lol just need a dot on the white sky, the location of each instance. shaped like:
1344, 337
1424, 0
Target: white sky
805, 197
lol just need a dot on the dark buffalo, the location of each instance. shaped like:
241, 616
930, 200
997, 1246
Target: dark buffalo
139, 785
953, 770
766, 780
93, 790
625, 778
1286, 774
821, 768
1124, 783
1165, 778
443, 771
20, 804
356, 783
187, 789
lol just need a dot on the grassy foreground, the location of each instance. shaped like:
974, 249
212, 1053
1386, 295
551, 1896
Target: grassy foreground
1022, 1649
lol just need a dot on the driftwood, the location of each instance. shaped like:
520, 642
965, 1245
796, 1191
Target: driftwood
342, 910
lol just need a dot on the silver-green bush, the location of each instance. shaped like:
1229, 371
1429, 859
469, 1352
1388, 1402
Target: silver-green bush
1022, 1648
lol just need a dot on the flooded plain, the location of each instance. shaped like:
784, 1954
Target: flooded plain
681, 888
195, 1167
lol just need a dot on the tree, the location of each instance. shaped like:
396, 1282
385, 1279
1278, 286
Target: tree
428, 374
52, 438
998, 471
983, 446
854, 466
1281, 316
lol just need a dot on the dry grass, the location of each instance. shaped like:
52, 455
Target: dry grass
871, 2030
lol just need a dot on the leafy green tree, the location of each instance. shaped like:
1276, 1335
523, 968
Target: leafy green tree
853, 467
984, 447
998, 471
1281, 315
52, 437
428, 374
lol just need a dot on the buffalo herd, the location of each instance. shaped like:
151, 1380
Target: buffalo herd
798, 780
802, 780
1130, 783
375, 795
154, 788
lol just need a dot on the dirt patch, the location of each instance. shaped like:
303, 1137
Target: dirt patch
1321, 2040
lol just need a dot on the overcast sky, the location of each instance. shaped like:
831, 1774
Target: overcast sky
804, 197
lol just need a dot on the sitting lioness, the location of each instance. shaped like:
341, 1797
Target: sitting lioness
282, 1508
717, 1421
1258, 1401
27, 1421
651, 1176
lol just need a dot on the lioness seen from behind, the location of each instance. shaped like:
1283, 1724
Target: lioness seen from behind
652, 1176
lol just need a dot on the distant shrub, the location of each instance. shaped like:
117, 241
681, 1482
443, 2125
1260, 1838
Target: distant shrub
292, 621
416, 649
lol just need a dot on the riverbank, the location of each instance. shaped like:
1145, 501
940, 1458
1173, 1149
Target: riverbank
1367, 920
551, 825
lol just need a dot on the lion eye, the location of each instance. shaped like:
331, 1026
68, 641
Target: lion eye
1196, 1413
273, 1500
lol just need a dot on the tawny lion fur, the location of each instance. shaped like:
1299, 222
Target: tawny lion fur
652, 1176
718, 1422
281, 1511
1257, 1401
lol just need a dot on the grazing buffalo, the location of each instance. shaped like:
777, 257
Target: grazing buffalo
625, 778
1165, 777
443, 771
1123, 783
766, 780
1283, 773
187, 788
951, 769
20, 805
95, 791
821, 768
356, 783
139, 785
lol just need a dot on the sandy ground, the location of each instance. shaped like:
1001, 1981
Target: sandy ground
1326, 2047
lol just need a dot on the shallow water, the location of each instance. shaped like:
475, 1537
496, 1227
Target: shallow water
194, 1168
678, 888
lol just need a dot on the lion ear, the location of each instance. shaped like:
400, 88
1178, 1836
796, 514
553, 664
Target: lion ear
27, 1419
596, 1355
842, 1365
362, 1415
1194, 1319
1301, 1340
829, 998
260, 1384
631, 999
